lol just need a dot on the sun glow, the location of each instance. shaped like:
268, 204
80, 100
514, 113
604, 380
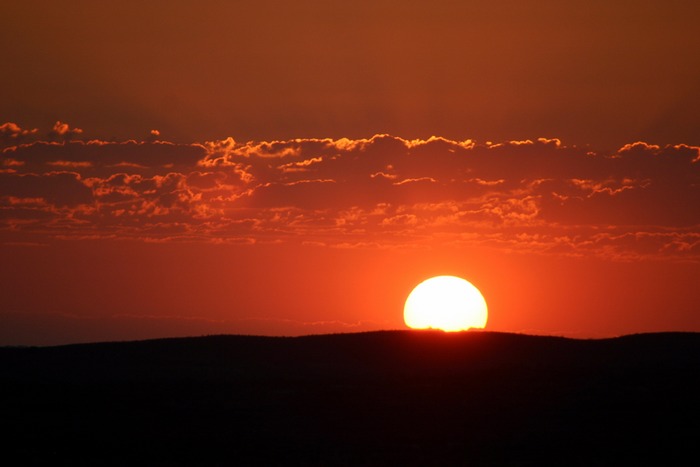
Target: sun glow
445, 302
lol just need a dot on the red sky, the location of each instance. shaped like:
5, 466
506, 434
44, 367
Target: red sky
298, 167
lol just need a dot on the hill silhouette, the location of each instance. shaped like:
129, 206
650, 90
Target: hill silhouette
377, 398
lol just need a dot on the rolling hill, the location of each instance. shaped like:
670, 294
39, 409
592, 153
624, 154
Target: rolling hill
378, 398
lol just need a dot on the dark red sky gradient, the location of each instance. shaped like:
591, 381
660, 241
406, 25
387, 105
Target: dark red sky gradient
587, 72
297, 167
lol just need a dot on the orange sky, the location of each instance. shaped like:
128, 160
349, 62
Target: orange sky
297, 167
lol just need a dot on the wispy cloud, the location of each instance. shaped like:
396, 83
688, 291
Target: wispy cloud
536, 195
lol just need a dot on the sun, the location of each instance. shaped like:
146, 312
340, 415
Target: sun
445, 302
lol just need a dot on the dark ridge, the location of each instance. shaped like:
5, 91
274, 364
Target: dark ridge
375, 398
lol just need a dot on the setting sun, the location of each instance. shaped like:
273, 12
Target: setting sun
445, 302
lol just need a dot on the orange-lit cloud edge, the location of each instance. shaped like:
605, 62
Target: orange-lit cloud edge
536, 196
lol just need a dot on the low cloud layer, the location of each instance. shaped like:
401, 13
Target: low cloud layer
537, 196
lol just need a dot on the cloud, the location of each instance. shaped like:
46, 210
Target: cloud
12, 134
56, 188
536, 195
63, 132
153, 136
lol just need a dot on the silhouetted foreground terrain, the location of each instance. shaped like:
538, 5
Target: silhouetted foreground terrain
380, 398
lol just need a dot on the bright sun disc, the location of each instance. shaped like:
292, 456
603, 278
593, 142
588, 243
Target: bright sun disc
445, 302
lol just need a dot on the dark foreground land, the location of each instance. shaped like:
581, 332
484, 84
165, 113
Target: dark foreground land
380, 398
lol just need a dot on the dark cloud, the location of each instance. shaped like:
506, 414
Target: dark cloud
535, 195
102, 158
56, 188
12, 134
63, 132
